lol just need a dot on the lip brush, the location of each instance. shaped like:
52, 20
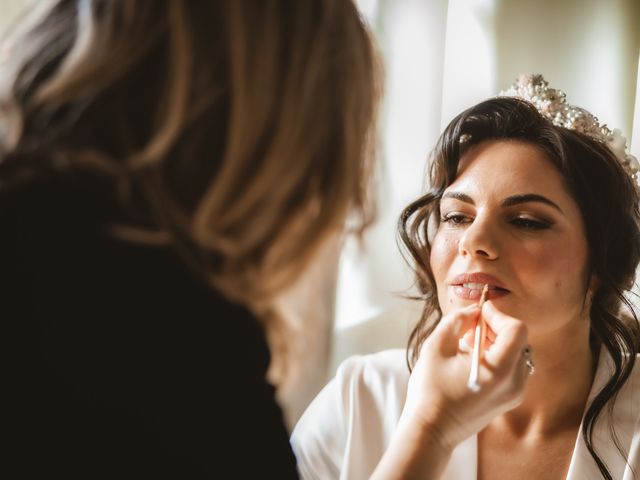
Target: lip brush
478, 344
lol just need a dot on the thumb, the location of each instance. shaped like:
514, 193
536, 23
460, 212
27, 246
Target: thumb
447, 334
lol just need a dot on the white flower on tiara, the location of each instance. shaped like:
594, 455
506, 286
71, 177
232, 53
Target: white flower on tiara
552, 104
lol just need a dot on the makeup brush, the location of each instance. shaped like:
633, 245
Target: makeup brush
478, 344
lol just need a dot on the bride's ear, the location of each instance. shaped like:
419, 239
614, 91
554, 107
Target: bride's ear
592, 288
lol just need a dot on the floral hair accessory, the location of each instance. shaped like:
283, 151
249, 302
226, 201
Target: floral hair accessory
552, 104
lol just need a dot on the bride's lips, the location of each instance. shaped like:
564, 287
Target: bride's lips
468, 286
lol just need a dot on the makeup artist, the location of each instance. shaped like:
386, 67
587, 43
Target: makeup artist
533, 197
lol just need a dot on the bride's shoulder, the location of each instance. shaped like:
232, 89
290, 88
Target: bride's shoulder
385, 363
380, 374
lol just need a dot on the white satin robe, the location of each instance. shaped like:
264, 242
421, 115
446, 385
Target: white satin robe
345, 430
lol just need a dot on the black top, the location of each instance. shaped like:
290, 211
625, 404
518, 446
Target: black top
120, 363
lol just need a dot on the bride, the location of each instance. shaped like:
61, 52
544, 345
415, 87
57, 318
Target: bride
534, 198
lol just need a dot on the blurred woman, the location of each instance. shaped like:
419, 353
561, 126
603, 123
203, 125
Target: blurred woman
167, 168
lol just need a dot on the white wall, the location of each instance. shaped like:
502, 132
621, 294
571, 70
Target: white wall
10, 10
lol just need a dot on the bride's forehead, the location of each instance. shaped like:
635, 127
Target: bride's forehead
504, 151
503, 168
508, 162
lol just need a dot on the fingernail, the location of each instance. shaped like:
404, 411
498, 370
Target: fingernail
463, 346
488, 304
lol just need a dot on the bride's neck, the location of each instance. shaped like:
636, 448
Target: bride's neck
556, 394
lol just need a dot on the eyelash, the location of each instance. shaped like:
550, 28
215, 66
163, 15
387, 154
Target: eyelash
523, 223
454, 218
530, 223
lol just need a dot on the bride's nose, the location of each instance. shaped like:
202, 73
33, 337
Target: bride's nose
480, 240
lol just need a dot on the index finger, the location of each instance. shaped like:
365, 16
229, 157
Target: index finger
447, 333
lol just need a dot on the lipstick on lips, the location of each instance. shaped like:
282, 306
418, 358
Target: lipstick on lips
468, 286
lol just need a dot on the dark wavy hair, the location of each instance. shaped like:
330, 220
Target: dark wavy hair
608, 201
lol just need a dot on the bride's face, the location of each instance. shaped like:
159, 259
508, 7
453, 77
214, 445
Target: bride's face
509, 221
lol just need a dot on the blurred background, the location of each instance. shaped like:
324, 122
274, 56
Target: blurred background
441, 57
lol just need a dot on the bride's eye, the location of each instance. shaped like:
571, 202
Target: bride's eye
528, 223
455, 218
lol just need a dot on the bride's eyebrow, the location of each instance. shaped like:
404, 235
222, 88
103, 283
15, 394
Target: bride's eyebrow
507, 202
463, 197
527, 198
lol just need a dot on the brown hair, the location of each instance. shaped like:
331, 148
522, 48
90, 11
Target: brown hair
608, 201
241, 132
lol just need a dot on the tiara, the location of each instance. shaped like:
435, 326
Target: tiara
552, 104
